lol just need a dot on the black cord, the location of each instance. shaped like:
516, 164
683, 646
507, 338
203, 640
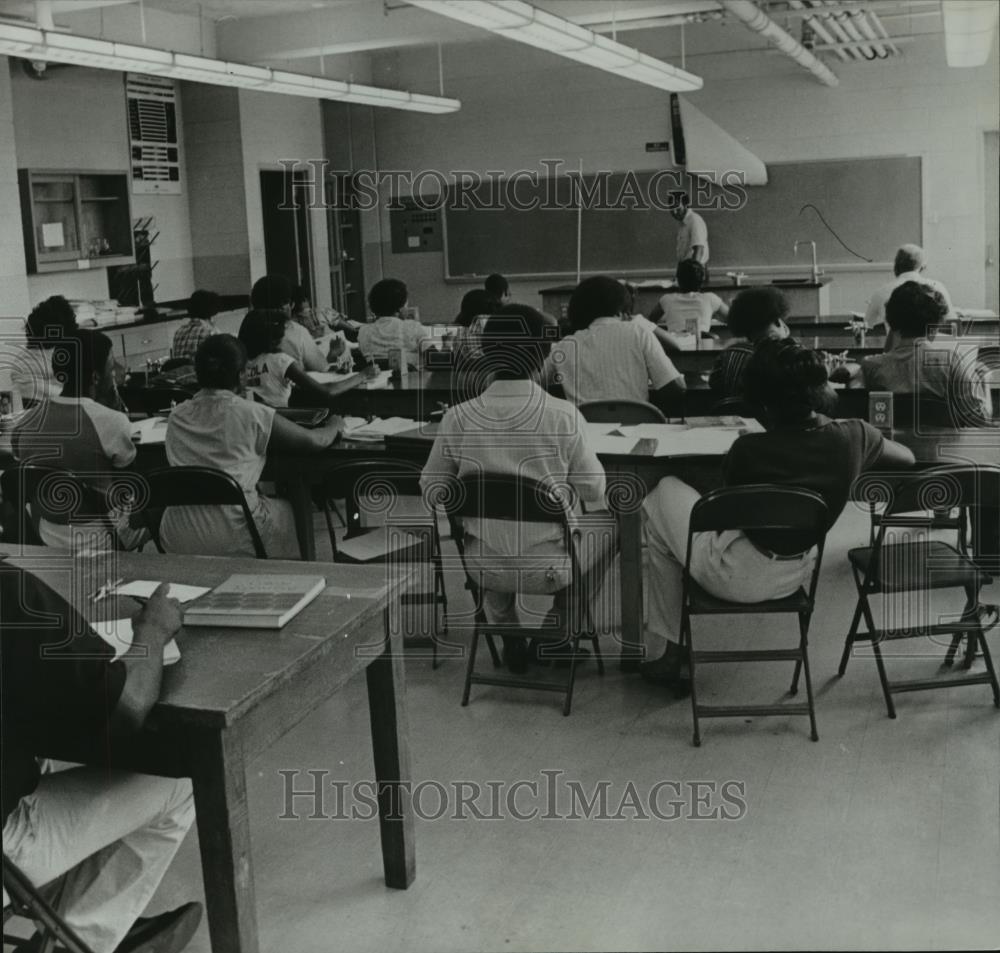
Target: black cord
829, 228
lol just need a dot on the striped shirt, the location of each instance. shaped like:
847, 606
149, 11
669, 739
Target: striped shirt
516, 428
610, 360
189, 336
726, 379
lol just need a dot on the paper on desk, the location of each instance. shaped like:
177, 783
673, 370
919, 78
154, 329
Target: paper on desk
710, 441
150, 430
375, 543
595, 430
118, 634
144, 588
607, 444
653, 431
330, 377
379, 381
379, 428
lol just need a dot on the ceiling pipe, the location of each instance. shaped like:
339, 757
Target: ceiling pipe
759, 22
844, 18
837, 29
861, 22
883, 32
817, 27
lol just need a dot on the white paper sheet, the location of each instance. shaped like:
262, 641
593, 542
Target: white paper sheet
609, 445
150, 431
379, 381
710, 441
144, 588
330, 377
52, 235
379, 428
594, 430
375, 543
118, 634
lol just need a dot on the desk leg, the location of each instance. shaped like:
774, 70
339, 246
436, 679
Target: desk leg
391, 746
630, 541
300, 497
220, 797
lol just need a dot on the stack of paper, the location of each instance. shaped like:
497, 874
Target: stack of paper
330, 377
144, 588
698, 441
378, 429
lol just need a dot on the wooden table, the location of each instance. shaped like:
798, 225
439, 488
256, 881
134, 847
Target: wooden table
236, 691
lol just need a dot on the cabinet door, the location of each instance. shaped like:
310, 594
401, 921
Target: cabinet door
147, 341
54, 203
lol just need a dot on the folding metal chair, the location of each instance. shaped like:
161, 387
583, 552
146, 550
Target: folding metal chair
196, 486
776, 509
923, 565
22, 899
522, 500
621, 412
375, 483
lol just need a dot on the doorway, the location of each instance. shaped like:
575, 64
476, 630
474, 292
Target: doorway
287, 236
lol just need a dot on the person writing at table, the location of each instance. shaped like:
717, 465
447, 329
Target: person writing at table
608, 358
800, 448
219, 428
271, 372
387, 330
96, 841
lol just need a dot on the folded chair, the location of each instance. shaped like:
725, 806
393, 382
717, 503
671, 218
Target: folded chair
376, 483
757, 507
923, 565
621, 412
522, 500
22, 899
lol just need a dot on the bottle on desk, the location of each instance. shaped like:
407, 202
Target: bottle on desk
397, 363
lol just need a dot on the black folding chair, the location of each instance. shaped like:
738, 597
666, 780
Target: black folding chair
375, 484
737, 406
521, 500
621, 412
33, 492
196, 486
776, 509
922, 565
22, 899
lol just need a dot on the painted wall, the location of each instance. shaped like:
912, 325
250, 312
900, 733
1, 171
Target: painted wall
276, 128
520, 105
13, 282
76, 119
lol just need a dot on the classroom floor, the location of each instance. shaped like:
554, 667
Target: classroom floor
883, 835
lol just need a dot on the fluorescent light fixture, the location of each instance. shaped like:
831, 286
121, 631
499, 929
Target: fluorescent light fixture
521, 21
55, 47
969, 26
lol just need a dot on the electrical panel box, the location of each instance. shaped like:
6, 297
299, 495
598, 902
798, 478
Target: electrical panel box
415, 229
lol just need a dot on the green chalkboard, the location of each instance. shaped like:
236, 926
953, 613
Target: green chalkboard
873, 205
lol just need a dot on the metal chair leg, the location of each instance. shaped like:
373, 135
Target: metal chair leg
804, 649
470, 667
849, 641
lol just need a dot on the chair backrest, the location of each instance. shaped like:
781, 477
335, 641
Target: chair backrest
947, 487
737, 406
760, 506
25, 900
58, 496
504, 497
621, 412
151, 400
198, 486
173, 363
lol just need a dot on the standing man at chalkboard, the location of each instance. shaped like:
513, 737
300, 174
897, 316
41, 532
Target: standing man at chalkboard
692, 236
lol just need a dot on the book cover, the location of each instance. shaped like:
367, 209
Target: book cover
255, 601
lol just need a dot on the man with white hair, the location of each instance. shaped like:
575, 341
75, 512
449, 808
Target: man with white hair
909, 266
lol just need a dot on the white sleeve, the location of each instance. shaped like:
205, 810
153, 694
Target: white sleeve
115, 434
659, 367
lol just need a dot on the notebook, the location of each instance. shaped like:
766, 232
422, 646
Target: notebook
152, 430
251, 601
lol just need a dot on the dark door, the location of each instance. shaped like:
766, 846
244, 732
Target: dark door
287, 239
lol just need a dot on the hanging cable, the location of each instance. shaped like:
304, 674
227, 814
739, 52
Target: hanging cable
830, 229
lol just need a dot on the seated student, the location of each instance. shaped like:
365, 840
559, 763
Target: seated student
923, 365
96, 841
31, 366
327, 328
516, 428
801, 448
607, 358
669, 342
387, 331
274, 293
219, 428
477, 306
674, 311
271, 371
498, 288
202, 307
757, 314
909, 265
89, 437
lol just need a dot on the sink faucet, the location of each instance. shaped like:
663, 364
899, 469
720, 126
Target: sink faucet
815, 270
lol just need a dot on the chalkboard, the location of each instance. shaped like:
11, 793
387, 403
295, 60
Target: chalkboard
874, 205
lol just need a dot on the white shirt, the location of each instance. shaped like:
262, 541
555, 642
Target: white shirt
610, 360
681, 307
31, 372
266, 377
300, 345
875, 314
390, 333
515, 427
692, 232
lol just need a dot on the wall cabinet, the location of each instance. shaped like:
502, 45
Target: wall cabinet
75, 220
